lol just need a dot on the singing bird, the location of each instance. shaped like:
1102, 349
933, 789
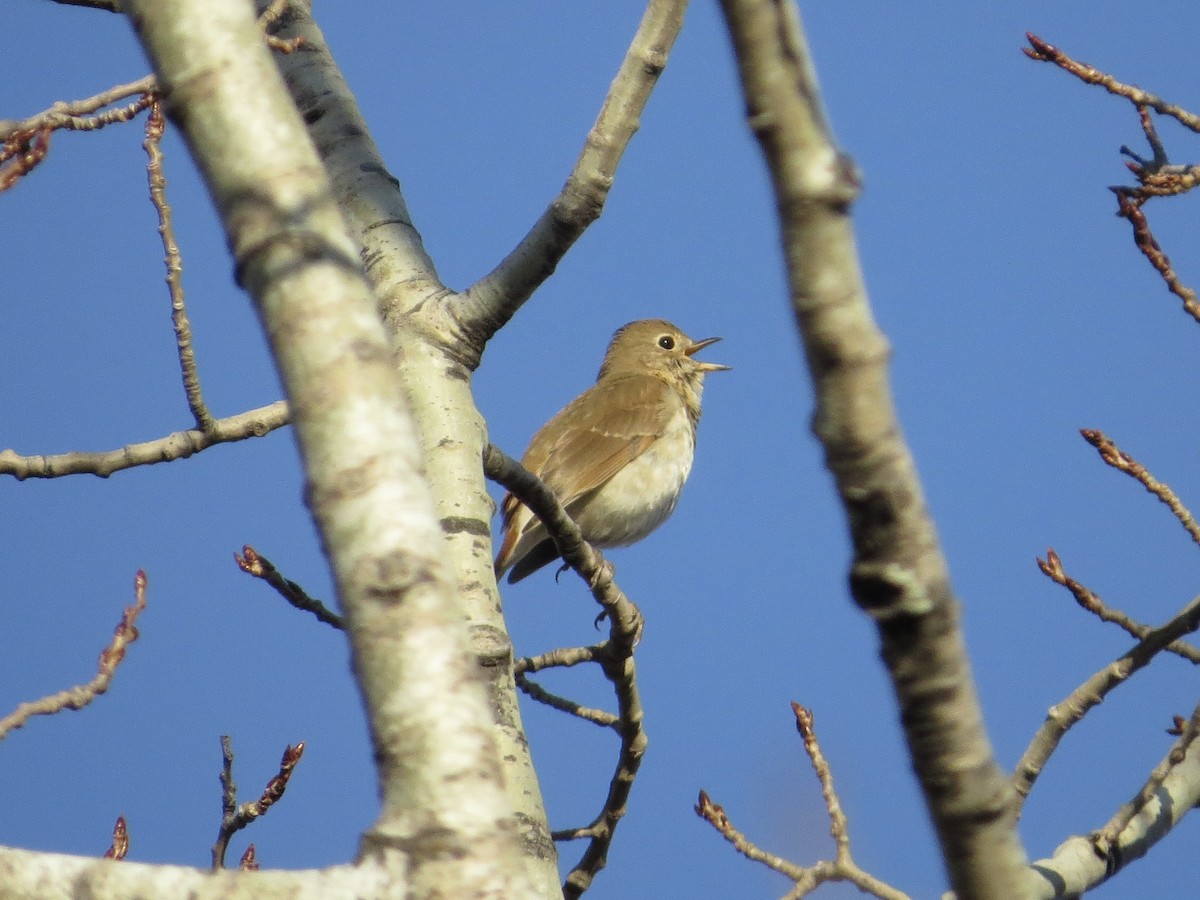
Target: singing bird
617, 456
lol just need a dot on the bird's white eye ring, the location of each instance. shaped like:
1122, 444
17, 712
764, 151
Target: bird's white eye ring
666, 342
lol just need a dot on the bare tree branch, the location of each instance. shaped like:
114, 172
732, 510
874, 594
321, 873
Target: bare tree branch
1156, 176
259, 566
76, 114
1091, 693
155, 126
1108, 837
105, 5
615, 657
1046, 52
1145, 241
21, 153
899, 575
1083, 862
490, 302
1052, 568
178, 445
577, 553
806, 878
369, 195
535, 691
234, 818
81, 695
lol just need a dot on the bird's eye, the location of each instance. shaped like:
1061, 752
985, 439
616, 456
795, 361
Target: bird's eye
666, 342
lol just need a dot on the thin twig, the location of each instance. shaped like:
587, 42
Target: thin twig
1046, 52
806, 878
535, 691
81, 695
493, 300
1052, 568
75, 115
234, 818
259, 566
1092, 692
178, 445
1156, 176
156, 124
21, 153
1123, 462
105, 5
1130, 210
714, 814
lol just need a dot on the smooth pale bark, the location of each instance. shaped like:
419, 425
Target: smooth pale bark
445, 828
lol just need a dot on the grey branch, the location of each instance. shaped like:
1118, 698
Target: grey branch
178, 445
1091, 693
492, 301
899, 575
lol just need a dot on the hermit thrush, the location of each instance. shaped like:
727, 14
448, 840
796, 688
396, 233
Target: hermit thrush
617, 456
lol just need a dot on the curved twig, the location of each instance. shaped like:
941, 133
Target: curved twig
81, 695
615, 657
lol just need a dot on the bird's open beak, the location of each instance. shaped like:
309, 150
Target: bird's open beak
705, 366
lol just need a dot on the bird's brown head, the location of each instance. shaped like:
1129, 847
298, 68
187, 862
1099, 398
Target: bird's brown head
655, 346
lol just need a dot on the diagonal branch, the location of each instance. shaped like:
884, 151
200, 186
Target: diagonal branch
492, 301
899, 575
1047, 52
1091, 693
1052, 568
1123, 462
1170, 792
178, 445
81, 695
253, 563
575, 551
78, 115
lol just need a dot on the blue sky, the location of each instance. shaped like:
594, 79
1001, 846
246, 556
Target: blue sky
1018, 312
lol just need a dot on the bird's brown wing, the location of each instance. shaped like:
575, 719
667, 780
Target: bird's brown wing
620, 418
612, 423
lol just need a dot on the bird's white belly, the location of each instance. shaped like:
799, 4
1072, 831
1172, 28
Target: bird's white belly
643, 494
